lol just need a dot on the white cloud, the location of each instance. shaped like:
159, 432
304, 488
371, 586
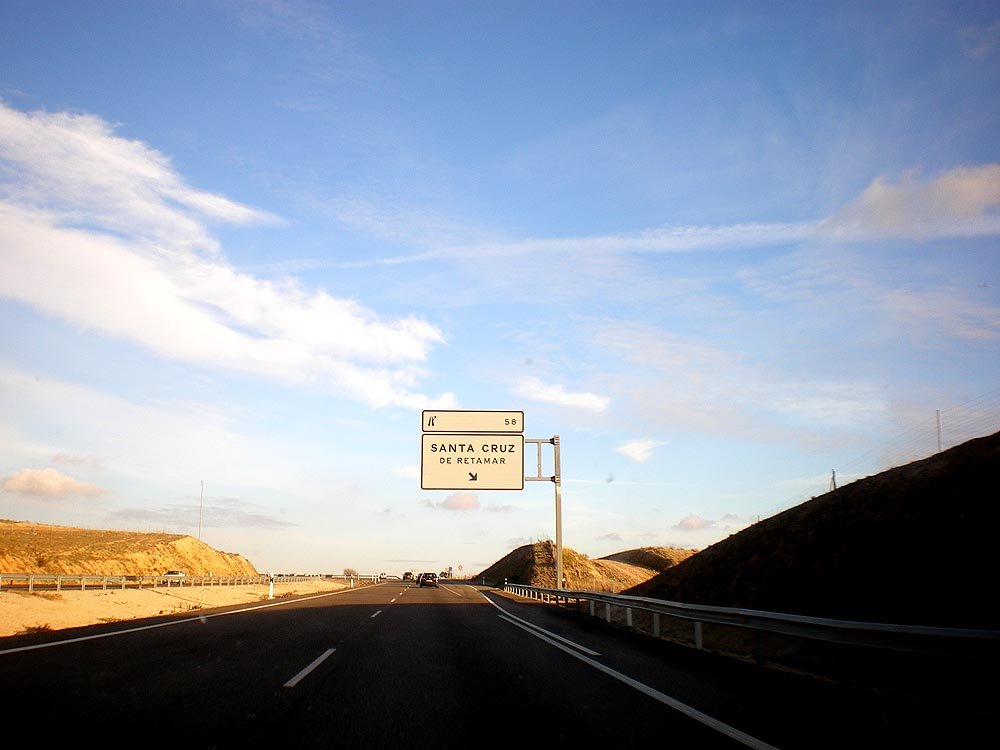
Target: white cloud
536, 390
694, 523
638, 450
49, 483
460, 501
79, 202
75, 165
959, 202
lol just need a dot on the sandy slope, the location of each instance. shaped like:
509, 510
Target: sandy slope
20, 612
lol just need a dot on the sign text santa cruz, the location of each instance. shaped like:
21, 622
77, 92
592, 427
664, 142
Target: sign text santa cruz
474, 453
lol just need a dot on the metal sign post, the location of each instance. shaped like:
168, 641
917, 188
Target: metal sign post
554, 441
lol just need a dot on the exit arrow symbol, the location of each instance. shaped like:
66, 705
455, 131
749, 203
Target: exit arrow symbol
473, 477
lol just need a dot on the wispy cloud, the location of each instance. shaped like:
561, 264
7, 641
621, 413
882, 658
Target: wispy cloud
668, 239
220, 513
78, 201
981, 42
961, 202
49, 483
86, 461
460, 501
920, 304
956, 203
638, 450
326, 51
655, 240
691, 384
536, 390
418, 226
946, 309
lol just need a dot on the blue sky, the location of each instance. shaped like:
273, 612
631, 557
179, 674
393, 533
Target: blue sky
721, 249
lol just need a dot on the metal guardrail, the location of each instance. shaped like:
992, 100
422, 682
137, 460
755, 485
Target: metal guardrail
49, 582
917, 638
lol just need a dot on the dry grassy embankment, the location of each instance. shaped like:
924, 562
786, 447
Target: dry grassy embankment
534, 564
59, 550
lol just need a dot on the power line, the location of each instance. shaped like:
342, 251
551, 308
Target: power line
945, 429
939, 430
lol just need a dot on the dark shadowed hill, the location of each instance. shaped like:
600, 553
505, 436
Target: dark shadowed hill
916, 544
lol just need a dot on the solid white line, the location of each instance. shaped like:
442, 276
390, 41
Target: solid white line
376, 614
527, 624
316, 662
545, 634
685, 709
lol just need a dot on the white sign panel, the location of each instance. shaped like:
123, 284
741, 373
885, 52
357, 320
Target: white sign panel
463, 461
445, 420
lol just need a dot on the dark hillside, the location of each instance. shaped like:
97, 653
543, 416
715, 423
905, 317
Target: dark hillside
915, 544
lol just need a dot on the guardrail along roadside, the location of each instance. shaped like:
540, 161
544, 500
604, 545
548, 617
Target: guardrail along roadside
877, 655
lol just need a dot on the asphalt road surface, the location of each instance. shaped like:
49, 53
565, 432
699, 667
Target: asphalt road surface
397, 666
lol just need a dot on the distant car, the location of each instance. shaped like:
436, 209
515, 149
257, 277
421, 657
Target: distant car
408, 576
173, 575
428, 579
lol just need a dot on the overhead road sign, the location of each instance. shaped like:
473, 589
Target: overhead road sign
455, 420
464, 461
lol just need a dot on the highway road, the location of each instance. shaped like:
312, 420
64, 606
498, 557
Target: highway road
394, 665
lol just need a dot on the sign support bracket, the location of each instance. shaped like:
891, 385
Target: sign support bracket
557, 480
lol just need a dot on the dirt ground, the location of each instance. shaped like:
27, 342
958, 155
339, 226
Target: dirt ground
23, 612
